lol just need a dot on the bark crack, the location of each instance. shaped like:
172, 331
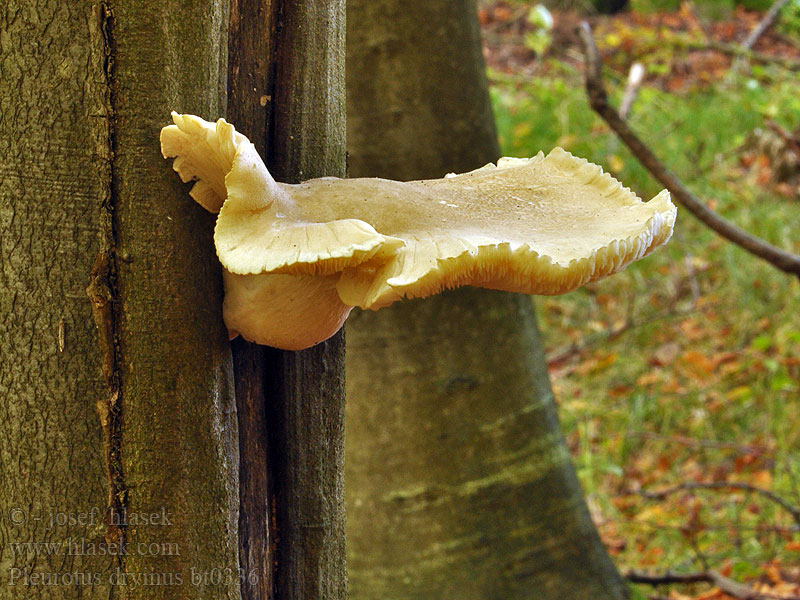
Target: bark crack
103, 292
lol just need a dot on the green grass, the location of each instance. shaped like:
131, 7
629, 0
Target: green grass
713, 9
704, 383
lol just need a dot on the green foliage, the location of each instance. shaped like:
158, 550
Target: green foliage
540, 37
712, 9
789, 22
648, 6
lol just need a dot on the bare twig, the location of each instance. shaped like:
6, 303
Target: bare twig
574, 349
779, 530
578, 348
694, 442
791, 140
598, 99
788, 63
696, 22
635, 78
767, 22
722, 485
666, 578
725, 584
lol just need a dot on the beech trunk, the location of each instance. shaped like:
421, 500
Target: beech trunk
286, 82
459, 484
118, 438
119, 448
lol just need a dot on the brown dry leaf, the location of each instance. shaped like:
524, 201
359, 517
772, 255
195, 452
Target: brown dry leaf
773, 573
786, 189
724, 357
649, 378
713, 594
599, 362
692, 329
698, 362
502, 13
620, 391
673, 387
762, 479
665, 354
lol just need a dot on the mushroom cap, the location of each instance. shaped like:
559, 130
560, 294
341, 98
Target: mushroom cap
544, 225
204, 152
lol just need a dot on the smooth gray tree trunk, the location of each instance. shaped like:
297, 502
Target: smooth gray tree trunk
459, 484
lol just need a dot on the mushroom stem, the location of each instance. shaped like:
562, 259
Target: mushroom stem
267, 309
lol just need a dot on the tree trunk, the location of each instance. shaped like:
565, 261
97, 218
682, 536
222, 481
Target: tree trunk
608, 7
251, 40
286, 82
459, 481
117, 415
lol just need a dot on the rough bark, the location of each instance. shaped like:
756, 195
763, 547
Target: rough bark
120, 400
51, 441
305, 393
459, 481
251, 39
305, 117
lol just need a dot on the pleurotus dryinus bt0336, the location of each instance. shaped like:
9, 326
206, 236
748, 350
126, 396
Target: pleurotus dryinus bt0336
298, 258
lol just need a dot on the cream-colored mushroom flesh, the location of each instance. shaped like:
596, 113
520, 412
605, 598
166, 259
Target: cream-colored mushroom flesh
544, 225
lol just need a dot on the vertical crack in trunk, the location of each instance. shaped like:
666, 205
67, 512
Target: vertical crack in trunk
251, 88
104, 298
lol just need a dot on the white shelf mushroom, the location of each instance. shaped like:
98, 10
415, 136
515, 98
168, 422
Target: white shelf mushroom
298, 258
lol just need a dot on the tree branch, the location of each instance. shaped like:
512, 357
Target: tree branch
792, 140
734, 50
635, 79
725, 584
687, 441
767, 22
723, 485
598, 99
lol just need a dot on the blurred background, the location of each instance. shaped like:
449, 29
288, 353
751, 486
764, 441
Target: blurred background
685, 368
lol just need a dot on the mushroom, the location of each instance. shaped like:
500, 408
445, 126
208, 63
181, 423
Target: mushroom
298, 258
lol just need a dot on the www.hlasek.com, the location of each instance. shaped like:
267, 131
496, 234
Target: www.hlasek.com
86, 547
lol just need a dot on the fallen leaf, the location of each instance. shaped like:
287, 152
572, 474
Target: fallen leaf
698, 361
665, 354
762, 479
692, 329
649, 378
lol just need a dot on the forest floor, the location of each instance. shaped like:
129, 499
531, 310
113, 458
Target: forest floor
678, 380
